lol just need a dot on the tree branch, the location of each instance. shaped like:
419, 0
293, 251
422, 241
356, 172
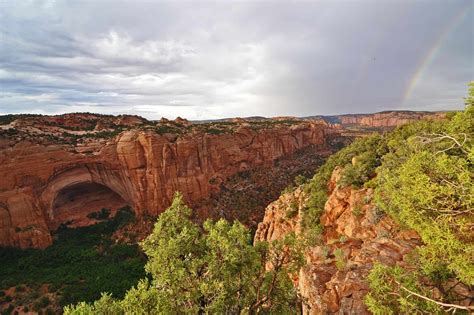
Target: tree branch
437, 137
451, 306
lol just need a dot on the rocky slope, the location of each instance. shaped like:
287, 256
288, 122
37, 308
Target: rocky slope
45, 163
245, 195
355, 237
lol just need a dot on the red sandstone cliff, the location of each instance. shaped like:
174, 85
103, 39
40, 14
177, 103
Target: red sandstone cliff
388, 119
351, 224
41, 182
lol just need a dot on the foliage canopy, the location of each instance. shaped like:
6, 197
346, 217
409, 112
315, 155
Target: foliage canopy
423, 175
426, 184
213, 269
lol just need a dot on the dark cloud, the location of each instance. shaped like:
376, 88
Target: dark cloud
210, 60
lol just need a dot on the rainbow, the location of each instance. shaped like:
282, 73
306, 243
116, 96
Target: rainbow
434, 50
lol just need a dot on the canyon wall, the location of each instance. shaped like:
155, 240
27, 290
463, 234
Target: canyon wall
355, 237
142, 168
388, 119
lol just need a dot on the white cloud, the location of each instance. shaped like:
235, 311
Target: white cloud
211, 60
122, 48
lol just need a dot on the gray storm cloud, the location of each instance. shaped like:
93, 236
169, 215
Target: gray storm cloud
208, 60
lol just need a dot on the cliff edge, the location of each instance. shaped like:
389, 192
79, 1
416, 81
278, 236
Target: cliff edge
355, 237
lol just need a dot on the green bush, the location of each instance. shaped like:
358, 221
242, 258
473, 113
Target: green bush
215, 131
288, 189
293, 210
367, 153
163, 129
358, 212
83, 262
212, 269
426, 183
103, 214
7, 119
300, 180
8, 132
340, 259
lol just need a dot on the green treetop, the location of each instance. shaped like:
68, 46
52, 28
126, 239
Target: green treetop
214, 269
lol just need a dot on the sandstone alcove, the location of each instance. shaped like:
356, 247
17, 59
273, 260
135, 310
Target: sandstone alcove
74, 204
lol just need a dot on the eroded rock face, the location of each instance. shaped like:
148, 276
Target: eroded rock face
142, 167
388, 119
353, 227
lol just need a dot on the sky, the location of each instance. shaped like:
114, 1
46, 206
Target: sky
207, 60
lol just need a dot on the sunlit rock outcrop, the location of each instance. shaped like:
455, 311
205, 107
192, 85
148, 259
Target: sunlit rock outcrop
138, 167
355, 237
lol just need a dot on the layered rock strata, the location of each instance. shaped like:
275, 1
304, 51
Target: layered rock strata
388, 119
142, 168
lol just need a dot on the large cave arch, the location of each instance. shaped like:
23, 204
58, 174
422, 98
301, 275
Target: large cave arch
74, 204
72, 195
